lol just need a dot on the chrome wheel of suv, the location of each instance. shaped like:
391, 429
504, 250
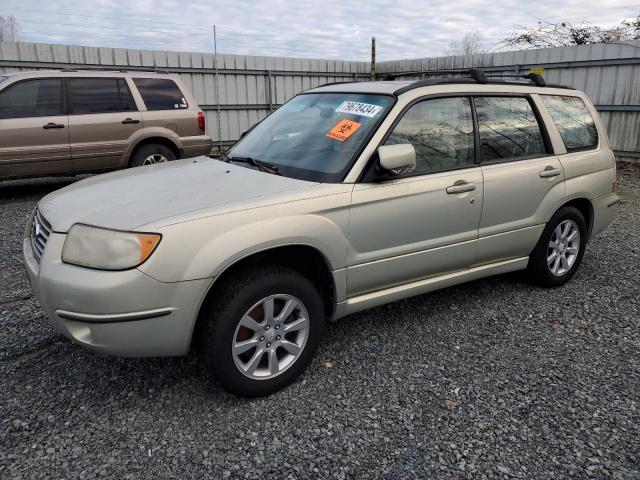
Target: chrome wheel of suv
155, 158
270, 336
564, 246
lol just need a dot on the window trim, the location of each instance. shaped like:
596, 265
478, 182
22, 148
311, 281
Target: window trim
63, 94
368, 174
546, 139
588, 148
69, 106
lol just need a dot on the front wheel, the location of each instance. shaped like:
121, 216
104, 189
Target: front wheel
559, 251
261, 330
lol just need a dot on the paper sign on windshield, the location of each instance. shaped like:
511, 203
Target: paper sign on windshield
357, 108
343, 130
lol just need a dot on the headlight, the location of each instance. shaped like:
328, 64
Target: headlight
95, 247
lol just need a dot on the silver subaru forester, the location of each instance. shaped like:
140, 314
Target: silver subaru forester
347, 197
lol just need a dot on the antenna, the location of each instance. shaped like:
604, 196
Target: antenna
215, 66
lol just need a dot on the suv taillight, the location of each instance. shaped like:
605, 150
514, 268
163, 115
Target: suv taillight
201, 122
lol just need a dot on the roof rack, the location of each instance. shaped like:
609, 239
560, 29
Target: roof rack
112, 69
472, 75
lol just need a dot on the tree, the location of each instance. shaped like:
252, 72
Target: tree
9, 28
547, 34
470, 44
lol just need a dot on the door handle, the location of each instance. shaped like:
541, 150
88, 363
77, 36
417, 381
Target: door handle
130, 120
461, 188
550, 172
53, 125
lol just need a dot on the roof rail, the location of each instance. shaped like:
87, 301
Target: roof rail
112, 69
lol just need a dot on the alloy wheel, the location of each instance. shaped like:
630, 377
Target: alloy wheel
563, 248
270, 336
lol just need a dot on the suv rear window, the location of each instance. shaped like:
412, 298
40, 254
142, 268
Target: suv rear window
32, 98
577, 128
160, 94
508, 128
99, 95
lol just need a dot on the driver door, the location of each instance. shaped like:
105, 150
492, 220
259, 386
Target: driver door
424, 223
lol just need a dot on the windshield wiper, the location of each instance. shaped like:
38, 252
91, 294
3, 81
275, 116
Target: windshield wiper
259, 164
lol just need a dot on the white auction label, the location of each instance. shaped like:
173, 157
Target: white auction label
357, 108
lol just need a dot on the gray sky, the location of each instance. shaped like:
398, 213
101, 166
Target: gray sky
301, 28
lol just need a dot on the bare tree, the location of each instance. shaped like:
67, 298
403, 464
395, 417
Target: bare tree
9, 28
547, 34
470, 44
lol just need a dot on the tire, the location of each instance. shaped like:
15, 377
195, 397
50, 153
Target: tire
546, 265
247, 292
151, 154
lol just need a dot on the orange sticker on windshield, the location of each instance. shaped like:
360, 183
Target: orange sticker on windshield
343, 130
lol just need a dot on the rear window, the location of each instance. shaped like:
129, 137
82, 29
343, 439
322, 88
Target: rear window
576, 125
99, 95
160, 94
32, 98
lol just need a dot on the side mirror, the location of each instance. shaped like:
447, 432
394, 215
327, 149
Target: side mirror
397, 157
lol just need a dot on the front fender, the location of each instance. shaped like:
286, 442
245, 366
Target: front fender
206, 247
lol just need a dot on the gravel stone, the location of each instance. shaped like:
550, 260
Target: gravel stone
543, 384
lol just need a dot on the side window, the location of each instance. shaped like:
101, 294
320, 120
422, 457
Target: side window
441, 131
32, 98
577, 128
96, 95
160, 93
508, 128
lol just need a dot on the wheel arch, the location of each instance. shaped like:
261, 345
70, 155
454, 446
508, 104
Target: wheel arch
305, 259
154, 141
585, 207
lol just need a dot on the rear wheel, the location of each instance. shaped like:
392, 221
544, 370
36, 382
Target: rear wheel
152, 154
261, 330
559, 251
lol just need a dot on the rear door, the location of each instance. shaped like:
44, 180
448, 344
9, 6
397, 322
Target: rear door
103, 118
34, 133
523, 179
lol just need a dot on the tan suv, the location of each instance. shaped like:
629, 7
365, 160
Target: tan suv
346, 197
77, 121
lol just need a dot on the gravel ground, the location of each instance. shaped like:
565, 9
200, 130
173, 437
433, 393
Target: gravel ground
492, 379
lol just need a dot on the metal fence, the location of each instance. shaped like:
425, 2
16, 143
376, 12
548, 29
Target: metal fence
608, 73
249, 87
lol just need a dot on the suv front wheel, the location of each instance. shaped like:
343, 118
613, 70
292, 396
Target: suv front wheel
262, 329
151, 154
559, 251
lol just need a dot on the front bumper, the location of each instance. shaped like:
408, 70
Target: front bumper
125, 313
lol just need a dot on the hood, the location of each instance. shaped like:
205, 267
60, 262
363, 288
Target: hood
129, 199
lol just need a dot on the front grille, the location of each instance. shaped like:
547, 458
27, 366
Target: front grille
40, 231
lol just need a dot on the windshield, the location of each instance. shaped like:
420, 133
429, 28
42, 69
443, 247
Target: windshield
2, 78
315, 136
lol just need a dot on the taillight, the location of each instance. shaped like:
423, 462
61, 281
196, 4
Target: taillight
614, 187
201, 122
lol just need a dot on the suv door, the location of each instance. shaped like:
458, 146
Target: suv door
34, 134
103, 118
423, 223
523, 180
